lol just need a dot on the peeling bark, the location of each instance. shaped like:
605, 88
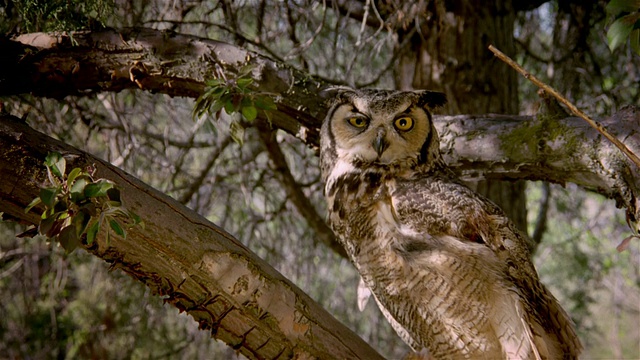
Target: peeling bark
193, 264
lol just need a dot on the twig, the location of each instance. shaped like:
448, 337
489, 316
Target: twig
601, 129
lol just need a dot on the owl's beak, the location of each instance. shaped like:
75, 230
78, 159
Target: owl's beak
380, 143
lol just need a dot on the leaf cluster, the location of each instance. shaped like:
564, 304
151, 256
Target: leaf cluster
234, 96
626, 24
58, 15
77, 205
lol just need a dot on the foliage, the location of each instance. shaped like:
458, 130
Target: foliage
625, 25
77, 205
58, 15
233, 96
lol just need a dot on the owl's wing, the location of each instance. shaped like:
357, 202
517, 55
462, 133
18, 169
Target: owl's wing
400, 330
443, 207
437, 206
364, 293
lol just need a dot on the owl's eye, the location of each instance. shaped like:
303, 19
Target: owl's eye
404, 123
358, 121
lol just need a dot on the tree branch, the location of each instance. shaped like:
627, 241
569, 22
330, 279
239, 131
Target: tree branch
195, 265
558, 151
489, 146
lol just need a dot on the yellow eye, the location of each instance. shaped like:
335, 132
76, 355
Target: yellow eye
404, 123
358, 121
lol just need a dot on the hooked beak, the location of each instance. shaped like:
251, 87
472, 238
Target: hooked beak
380, 144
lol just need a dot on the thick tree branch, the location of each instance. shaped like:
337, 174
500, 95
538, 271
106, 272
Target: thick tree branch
497, 147
154, 61
574, 109
559, 151
195, 265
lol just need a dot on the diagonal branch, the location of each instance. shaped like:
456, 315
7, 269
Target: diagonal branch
196, 266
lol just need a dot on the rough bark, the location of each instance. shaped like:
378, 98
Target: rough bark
181, 256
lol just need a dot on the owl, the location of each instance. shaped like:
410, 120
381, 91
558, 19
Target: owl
447, 268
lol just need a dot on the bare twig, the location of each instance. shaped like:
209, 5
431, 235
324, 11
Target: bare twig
601, 129
294, 192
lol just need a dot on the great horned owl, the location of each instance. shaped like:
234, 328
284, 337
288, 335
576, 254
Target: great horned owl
450, 272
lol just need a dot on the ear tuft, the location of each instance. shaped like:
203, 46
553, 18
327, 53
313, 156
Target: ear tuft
431, 99
336, 94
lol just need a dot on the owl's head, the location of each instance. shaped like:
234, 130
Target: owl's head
391, 130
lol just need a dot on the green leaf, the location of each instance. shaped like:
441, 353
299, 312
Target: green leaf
136, 219
48, 196
115, 226
45, 225
77, 189
619, 31
80, 221
635, 41
265, 103
92, 232
68, 239
56, 163
236, 130
98, 188
216, 106
215, 82
216, 93
72, 176
33, 203
250, 112
617, 6
229, 107
200, 107
244, 82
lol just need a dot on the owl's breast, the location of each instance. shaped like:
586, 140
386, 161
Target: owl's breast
351, 200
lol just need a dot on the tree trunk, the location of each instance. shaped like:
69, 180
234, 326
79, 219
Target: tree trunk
450, 54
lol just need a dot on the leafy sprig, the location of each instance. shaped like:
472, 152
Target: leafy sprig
77, 205
235, 96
